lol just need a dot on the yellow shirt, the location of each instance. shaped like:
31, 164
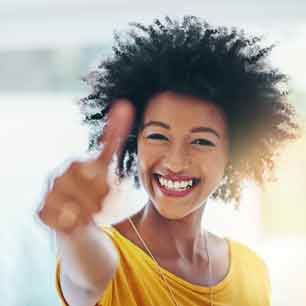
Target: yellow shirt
138, 282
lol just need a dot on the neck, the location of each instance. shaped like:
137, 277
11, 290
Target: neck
181, 239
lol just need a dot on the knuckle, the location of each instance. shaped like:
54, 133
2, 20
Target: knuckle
74, 166
64, 186
45, 216
57, 183
68, 215
89, 171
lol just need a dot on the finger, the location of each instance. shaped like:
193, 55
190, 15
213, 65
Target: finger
63, 216
82, 191
68, 215
71, 217
49, 212
119, 123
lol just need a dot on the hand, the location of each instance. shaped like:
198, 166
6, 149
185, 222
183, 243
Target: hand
80, 191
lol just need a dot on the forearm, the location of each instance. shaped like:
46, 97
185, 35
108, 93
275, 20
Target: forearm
87, 256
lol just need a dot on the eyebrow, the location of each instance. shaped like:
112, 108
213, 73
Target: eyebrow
193, 130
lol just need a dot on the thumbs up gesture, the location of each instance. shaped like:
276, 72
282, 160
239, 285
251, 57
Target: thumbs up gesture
80, 191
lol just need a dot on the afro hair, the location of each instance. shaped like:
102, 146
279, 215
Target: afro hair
211, 63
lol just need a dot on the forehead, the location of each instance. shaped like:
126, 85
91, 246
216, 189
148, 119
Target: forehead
184, 111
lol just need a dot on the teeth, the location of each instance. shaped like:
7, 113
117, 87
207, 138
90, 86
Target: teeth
175, 185
180, 184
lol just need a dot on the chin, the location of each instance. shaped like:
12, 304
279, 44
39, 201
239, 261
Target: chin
170, 214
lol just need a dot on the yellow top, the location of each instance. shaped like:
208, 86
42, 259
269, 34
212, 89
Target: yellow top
138, 282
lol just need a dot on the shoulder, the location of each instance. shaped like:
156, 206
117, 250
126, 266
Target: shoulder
243, 250
121, 233
246, 257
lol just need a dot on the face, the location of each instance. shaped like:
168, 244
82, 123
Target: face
183, 140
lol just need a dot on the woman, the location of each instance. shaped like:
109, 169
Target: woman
191, 111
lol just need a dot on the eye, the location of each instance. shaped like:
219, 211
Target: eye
156, 136
204, 142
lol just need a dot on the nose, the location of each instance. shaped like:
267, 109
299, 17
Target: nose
177, 159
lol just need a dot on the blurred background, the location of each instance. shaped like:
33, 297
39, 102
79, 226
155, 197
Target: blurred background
45, 49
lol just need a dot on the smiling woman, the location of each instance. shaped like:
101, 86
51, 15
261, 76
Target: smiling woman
183, 151
201, 111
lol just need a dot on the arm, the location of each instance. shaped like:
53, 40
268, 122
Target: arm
87, 257
88, 261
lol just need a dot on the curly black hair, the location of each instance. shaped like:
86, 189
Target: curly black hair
215, 64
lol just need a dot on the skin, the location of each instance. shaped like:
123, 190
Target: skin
178, 220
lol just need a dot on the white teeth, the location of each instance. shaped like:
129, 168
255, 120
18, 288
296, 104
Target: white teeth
184, 184
175, 185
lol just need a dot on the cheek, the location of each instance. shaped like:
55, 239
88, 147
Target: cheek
213, 165
217, 167
148, 159
148, 155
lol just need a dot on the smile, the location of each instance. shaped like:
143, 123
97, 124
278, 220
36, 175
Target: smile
175, 188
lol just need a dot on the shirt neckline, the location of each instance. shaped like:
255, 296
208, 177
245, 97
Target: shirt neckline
195, 287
